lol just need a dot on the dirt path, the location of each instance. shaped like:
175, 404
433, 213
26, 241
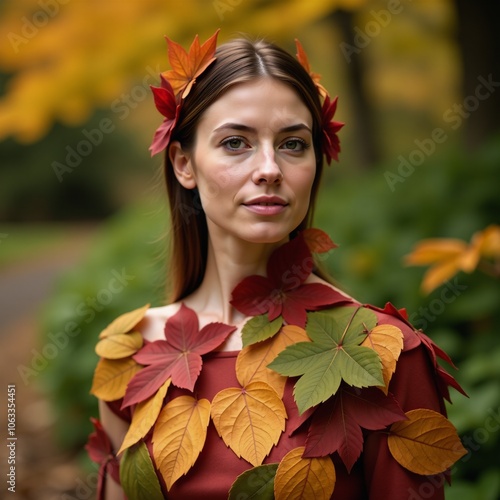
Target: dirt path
42, 470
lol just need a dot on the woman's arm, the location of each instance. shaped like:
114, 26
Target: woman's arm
116, 428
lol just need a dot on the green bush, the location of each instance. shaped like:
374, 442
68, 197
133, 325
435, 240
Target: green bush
452, 194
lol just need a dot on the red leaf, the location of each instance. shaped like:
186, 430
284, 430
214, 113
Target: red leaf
331, 142
100, 450
283, 290
166, 104
336, 425
317, 240
177, 357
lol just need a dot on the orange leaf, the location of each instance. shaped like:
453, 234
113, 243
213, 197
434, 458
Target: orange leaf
119, 346
317, 240
250, 420
187, 67
179, 436
387, 341
125, 322
435, 250
145, 415
252, 361
304, 61
427, 443
112, 376
300, 478
488, 241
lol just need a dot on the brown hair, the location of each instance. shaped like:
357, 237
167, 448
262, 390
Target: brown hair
238, 61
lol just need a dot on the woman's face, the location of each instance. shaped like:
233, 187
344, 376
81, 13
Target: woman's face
253, 162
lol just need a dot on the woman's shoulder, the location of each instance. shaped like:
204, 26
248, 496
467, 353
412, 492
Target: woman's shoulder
153, 323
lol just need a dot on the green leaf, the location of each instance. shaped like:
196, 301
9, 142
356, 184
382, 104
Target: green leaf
256, 483
333, 355
259, 328
137, 474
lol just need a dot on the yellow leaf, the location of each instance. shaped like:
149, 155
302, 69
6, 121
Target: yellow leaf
433, 250
427, 443
111, 378
488, 241
252, 361
179, 436
250, 420
300, 478
387, 341
125, 322
119, 346
145, 415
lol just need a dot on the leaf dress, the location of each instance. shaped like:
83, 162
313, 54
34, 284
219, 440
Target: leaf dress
327, 399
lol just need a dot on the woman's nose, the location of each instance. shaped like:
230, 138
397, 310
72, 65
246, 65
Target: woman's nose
267, 169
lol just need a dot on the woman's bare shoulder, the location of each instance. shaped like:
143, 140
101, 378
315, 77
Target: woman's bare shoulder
153, 324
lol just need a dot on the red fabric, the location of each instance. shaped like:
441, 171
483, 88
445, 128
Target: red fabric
375, 476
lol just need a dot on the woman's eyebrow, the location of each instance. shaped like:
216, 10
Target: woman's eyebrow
245, 128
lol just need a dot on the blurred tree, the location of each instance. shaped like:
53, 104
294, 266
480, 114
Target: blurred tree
479, 39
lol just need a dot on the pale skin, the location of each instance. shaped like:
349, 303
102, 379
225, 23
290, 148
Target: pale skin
254, 166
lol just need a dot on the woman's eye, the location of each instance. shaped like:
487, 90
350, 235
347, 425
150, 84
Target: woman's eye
294, 145
234, 143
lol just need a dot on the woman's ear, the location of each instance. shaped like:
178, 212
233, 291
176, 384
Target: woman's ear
182, 165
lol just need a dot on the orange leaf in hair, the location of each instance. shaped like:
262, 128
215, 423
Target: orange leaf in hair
304, 61
186, 67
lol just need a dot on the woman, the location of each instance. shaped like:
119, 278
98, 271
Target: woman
260, 378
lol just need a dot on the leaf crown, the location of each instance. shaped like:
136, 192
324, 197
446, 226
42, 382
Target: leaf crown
186, 67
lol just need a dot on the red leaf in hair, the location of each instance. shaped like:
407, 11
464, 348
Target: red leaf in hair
331, 142
166, 104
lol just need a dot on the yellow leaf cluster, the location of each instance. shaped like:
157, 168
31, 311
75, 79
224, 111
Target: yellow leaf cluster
448, 256
427, 443
179, 436
300, 478
387, 341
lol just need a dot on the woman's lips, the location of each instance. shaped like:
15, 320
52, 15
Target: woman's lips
266, 205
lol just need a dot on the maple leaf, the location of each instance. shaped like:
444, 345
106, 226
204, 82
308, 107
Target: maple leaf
336, 425
137, 474
252, 360
111, 378
186, 67
387, 341
178, 357
167, 105
100, 450
331, 142
259, 328
250, 420
119, 346
304, 61
303, 478
335, 354
144, 417
179, 436
282, 291
427, 443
